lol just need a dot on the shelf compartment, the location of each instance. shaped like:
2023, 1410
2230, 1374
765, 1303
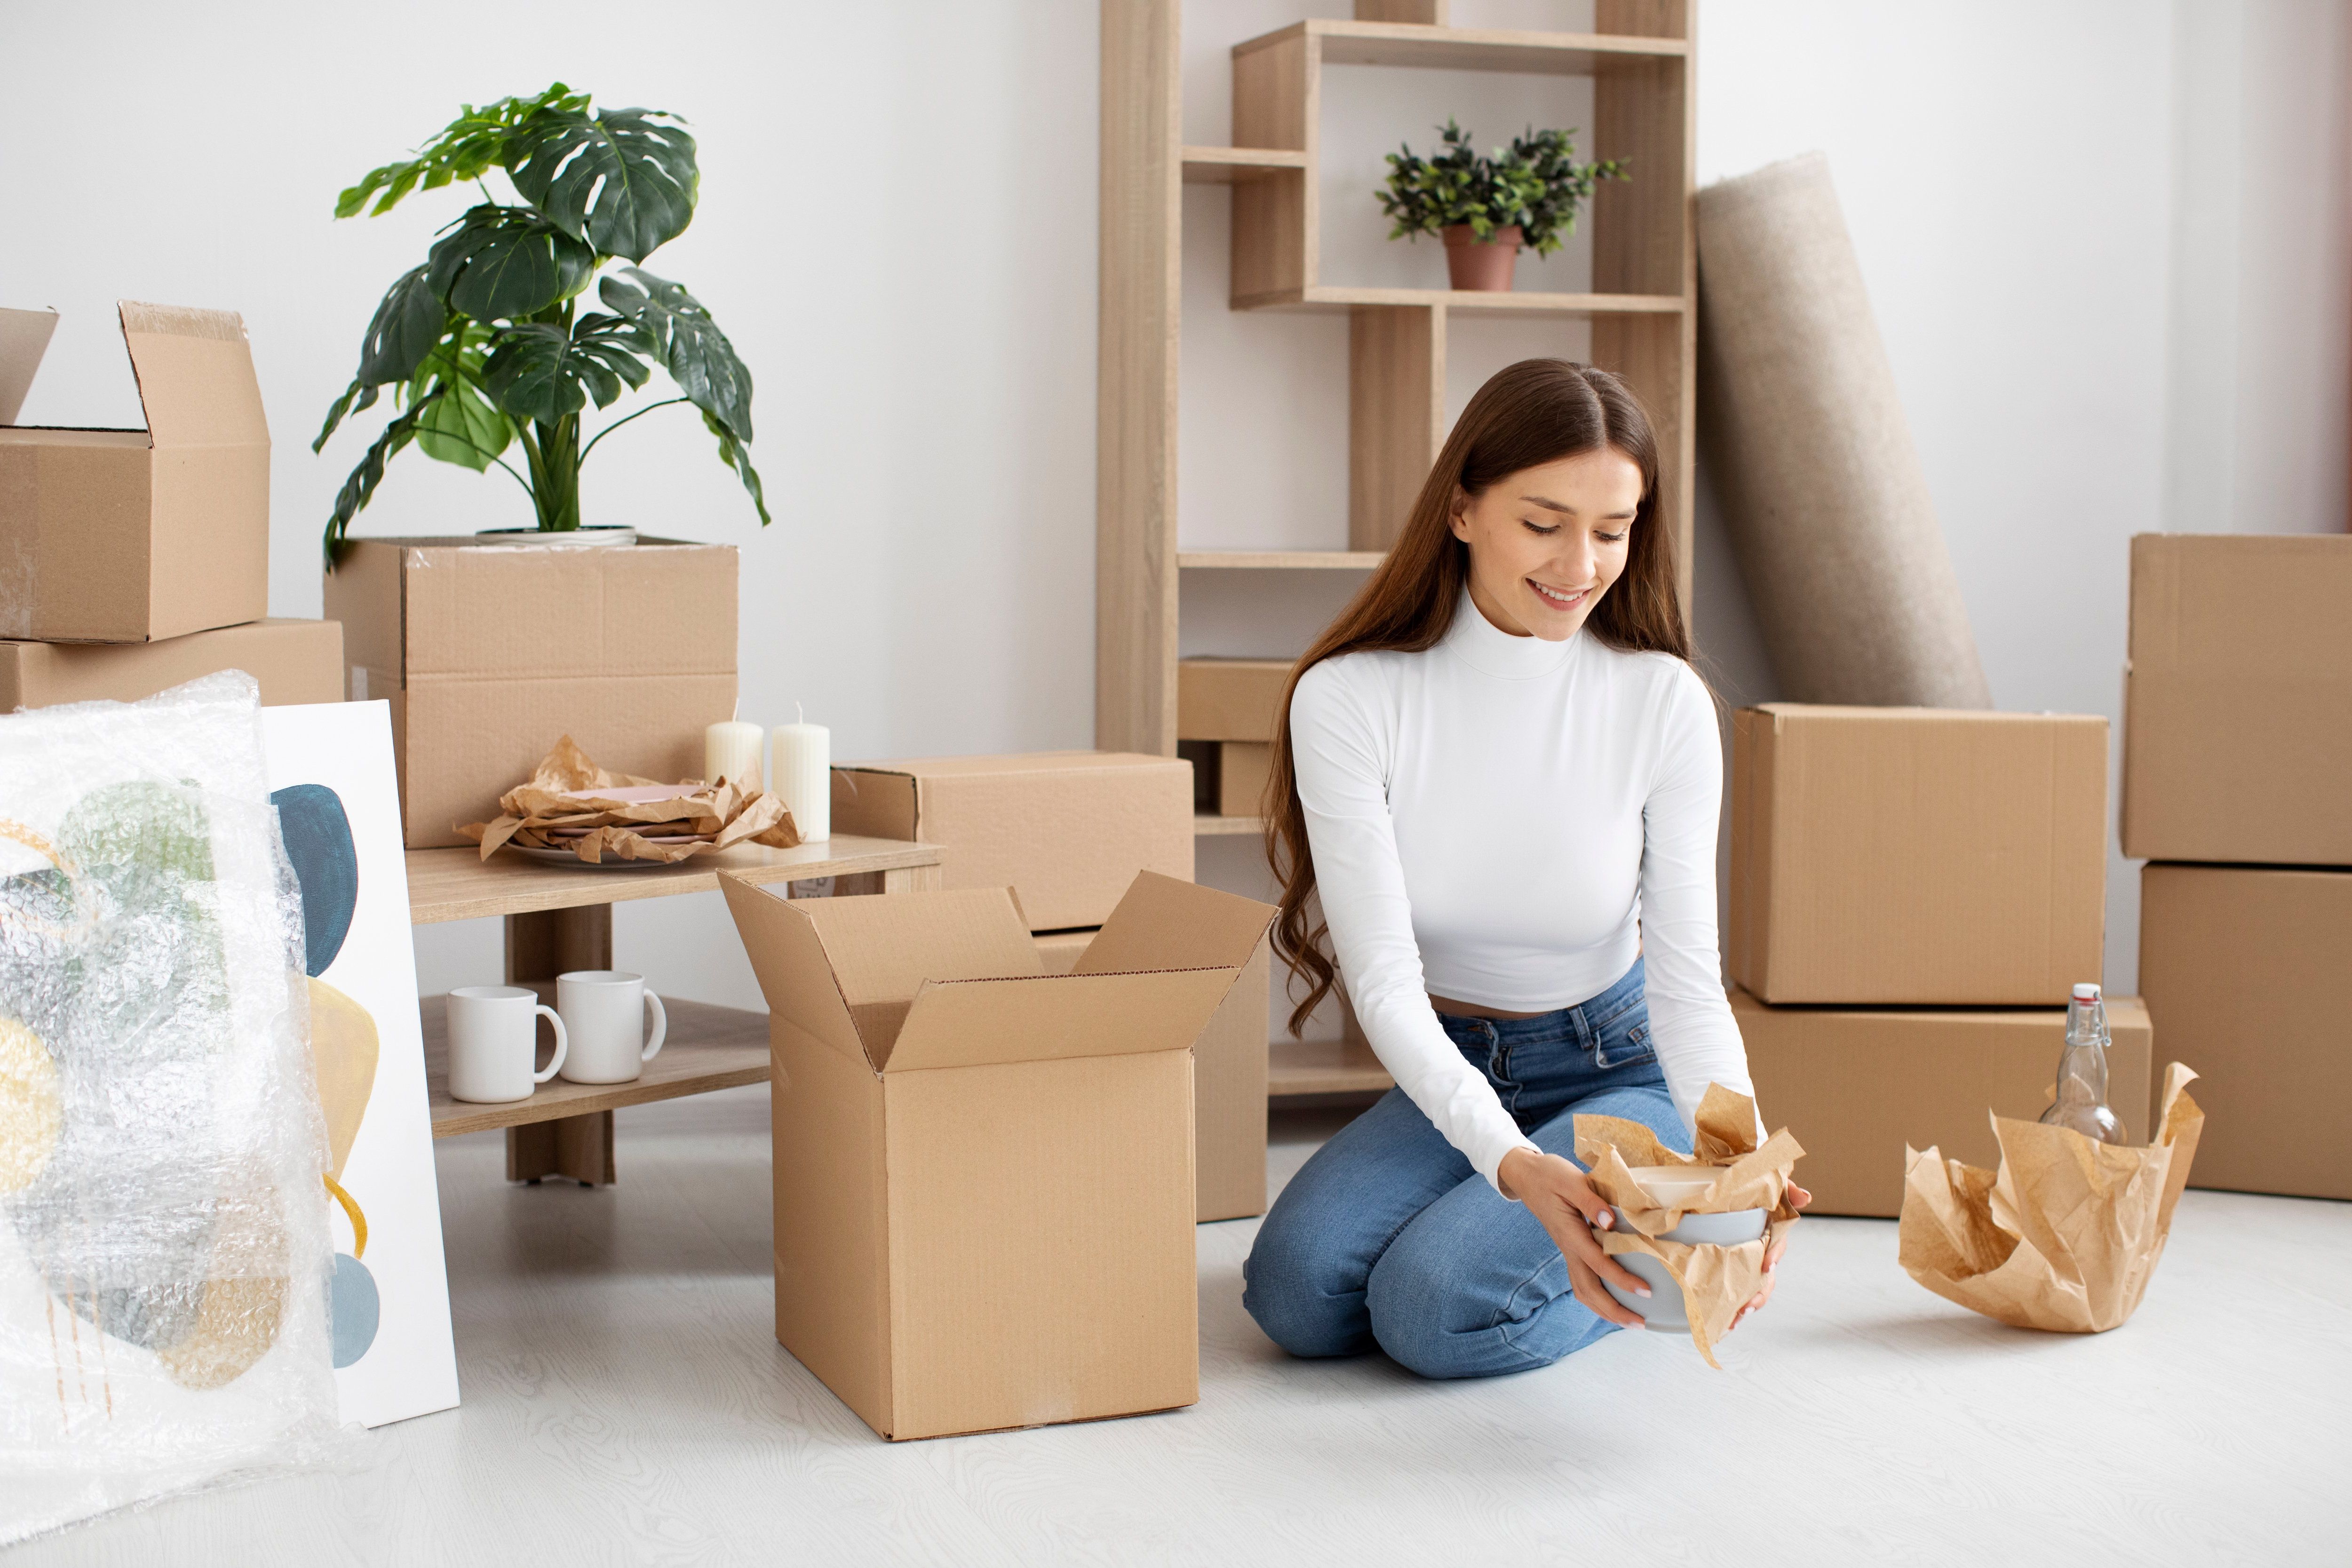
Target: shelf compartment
1209, 825
1332, 296
1237, 166
708, 1048
1280, 560
1350, 43
1322, 1066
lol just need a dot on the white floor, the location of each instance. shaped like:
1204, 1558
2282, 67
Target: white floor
626, 1402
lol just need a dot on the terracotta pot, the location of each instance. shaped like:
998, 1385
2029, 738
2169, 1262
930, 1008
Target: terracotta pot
1474, 263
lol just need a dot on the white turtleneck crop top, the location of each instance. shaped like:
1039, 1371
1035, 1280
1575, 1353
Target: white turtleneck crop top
1511, 822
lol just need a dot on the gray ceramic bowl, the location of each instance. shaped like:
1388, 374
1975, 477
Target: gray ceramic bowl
1663, 1308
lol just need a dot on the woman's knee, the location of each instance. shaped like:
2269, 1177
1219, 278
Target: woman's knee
1443, 1314
1302, 1289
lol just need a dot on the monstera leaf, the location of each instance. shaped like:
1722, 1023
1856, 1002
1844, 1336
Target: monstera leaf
464, 426
543, 372
473, 143
506, 263
623, 181
360, 489
689, 344
411, 320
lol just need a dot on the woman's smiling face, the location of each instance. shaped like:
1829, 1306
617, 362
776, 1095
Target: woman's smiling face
1545, 542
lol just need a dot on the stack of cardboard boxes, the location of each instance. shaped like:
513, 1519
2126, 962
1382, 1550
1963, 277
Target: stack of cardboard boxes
1912, 894
1068, 832
2238, 789
1228, 711
134, 559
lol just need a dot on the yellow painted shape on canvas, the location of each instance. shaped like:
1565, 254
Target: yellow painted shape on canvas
344, 1046
29, 1115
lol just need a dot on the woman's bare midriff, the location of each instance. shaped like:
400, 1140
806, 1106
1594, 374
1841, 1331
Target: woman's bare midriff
1473, 1010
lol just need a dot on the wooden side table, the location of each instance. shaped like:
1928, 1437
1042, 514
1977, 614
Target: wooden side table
559, 918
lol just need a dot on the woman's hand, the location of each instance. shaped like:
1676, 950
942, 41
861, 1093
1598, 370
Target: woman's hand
1559, 1196
1798, 1198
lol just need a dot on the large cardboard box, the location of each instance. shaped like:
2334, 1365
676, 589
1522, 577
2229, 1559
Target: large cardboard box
1066, 831
1230, 698
983, 1173
130, 535
295, 661
1917, 856
2238, 701
2248, 975
1857, 1084
1229, 1079
490, 654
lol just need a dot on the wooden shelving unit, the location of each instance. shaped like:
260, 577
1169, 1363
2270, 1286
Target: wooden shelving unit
559, 918
1642, 307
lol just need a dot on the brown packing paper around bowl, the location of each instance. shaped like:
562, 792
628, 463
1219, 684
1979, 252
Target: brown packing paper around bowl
1715, 1281
562, 794
2066, 1234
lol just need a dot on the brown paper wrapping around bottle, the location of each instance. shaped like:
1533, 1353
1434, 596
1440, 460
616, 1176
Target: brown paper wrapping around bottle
562, 794
2066, 1234
1715, 1281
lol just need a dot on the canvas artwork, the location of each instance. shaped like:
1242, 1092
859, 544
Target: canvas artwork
330, 776
164, 1231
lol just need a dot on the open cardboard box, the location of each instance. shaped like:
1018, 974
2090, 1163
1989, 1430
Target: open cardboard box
984, 1172
132, 535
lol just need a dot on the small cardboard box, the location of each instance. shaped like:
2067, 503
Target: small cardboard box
2249, 973
132, 535
295, 661
490, 654
1243, 768
1857, 1084
1917, 856
983, 1173
1066, 831
1230, 698
1229, 1078
2238, 704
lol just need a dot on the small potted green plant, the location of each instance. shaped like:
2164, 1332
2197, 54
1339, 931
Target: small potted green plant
1485, 208
484, 346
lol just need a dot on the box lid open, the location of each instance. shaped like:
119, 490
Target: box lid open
23, 339
952, 979
195, 377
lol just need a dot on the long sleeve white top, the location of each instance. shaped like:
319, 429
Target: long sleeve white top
1511, 822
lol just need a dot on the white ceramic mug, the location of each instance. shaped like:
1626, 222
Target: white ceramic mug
606, 1011
494, 1041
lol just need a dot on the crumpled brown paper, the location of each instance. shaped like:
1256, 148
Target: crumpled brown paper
562, 794
1715, 1281
2066, 1235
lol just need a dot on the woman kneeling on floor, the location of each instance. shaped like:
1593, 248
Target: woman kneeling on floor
1502, 776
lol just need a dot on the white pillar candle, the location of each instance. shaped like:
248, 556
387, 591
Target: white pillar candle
804, 777
731, 750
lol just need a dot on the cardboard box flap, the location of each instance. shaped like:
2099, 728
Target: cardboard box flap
789, 958
23, 339
1163, 924
195, 377
970, 1023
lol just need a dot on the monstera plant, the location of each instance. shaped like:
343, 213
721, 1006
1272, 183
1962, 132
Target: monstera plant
485, 348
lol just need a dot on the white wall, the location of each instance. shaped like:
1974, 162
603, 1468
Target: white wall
2106, 241
897, 228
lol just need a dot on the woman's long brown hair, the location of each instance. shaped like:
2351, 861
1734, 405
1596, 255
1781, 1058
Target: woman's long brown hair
1538, 411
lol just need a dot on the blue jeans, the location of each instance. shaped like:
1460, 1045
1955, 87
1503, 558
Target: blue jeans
1388, 1237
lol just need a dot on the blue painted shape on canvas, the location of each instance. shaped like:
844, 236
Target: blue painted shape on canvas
354, 1309
317, 836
